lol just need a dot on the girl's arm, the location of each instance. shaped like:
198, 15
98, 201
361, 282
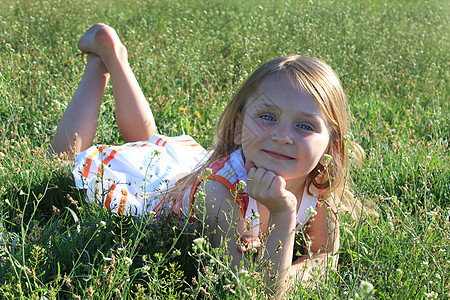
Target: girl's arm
270, 190
216, 206
221, 215
324, 233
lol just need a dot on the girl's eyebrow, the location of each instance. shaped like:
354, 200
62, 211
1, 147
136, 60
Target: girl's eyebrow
269, 106
274, 108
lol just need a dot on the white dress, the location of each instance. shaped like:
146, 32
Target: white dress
133, 177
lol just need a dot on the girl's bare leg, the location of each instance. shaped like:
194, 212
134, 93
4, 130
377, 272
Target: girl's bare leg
76, 129
133, 115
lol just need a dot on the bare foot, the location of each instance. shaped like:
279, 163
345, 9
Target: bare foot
96, 64
101, 40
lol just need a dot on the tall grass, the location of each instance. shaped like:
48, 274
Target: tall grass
392, 57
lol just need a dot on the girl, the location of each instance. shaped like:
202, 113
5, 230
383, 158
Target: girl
282, 134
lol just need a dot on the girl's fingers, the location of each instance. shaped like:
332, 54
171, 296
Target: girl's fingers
260, 180
269, 189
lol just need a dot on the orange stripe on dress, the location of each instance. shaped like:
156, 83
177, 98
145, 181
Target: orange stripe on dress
219, 164
110, 195
89, 160
109, 158
112, 154
181, 141
123, 202
188, 143
159, 205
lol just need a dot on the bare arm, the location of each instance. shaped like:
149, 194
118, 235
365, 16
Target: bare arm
221, 216
270, 190
324, 233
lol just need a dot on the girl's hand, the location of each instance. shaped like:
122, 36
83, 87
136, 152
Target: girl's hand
269, 189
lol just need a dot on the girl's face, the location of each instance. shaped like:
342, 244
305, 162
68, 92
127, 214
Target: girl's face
283, 129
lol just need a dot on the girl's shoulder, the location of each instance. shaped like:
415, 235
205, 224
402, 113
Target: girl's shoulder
229, 172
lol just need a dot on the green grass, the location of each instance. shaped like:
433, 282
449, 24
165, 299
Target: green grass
392, 58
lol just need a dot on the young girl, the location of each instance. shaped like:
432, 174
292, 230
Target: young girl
282, 134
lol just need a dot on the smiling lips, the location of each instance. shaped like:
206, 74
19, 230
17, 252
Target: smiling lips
278, 155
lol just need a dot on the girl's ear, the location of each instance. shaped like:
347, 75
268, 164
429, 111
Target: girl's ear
238, 129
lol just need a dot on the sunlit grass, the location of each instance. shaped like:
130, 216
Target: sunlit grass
189, 57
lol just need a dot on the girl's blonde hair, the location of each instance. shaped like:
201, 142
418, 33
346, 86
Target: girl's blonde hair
319, 80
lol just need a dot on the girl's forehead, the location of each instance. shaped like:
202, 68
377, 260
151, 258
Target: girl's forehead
277, 87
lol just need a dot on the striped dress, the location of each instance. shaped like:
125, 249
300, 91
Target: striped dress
135, 177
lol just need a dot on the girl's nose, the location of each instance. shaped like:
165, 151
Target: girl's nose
282, 134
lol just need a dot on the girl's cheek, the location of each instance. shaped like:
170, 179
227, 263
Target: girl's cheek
259, 125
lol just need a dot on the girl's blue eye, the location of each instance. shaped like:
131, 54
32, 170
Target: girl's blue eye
267, 118
305, 127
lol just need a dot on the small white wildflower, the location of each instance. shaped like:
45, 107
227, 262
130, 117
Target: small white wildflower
201, 194
365, 287
399, 271
241, 184
311, 212
57, 103
395, 199
198, 243
431, 295
2, 154
243, 272
425, 263
437, 276
102, 223
145, 268
327, 159
432, 213
392, 225
128, 261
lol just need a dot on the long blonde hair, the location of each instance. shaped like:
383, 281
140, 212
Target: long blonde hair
319, 80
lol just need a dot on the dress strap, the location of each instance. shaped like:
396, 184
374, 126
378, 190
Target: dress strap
240, 195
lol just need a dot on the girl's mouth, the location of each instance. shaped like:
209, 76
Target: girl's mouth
278, 155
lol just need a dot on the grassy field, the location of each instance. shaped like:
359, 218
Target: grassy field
392, 58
